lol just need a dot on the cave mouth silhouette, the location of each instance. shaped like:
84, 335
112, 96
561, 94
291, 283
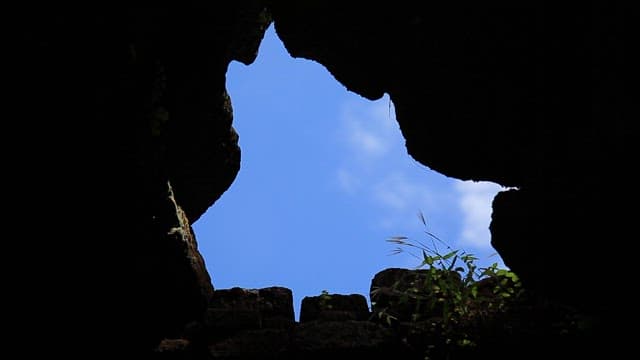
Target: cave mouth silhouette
325, 179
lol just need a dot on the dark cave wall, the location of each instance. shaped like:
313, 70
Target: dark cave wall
127, 125
176, 98
529, 95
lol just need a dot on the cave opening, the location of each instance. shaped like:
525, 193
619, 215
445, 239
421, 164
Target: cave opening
325, 179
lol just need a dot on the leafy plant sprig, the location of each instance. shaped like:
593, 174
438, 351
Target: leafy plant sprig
455, 294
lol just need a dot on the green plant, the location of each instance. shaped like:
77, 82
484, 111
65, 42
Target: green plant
452, 297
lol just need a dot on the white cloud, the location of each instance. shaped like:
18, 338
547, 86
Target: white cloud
475, 203
369, 129
366, 141
377, 166
347, 181
398, 192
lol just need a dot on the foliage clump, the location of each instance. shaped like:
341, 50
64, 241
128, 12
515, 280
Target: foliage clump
451, 300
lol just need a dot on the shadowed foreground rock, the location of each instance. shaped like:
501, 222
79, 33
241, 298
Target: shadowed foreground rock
259, 324
334, 308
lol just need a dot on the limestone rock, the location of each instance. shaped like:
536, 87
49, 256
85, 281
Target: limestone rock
334, 307
233, 310
318, 339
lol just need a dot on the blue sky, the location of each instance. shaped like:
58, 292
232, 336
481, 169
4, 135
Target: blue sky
325, 179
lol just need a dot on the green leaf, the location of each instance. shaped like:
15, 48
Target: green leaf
450, 255
513, 276
486, 272
453, 263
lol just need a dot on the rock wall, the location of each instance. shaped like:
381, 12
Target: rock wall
259, 323
125, 124
526, 94
122, 136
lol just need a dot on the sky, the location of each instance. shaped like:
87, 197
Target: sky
325, 180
